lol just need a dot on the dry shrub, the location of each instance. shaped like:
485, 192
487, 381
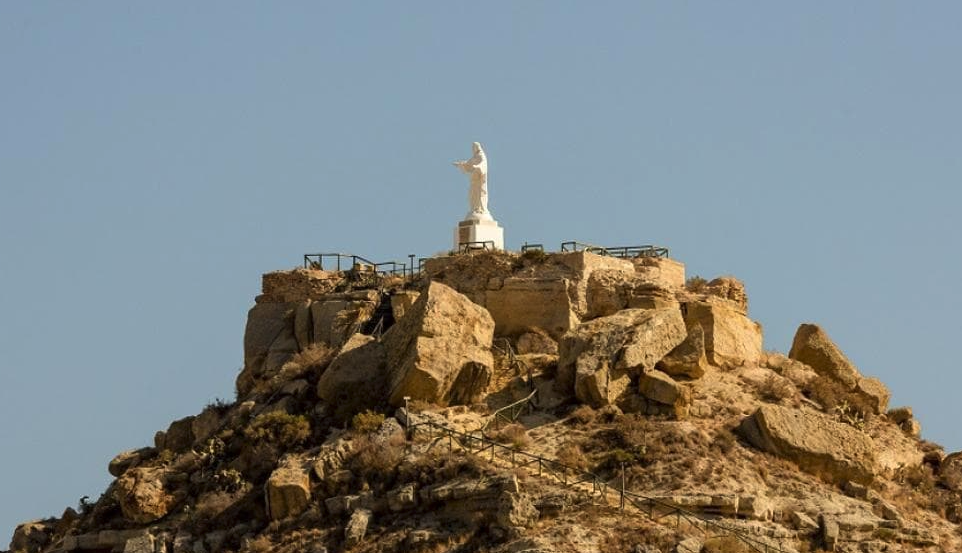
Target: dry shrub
696, 284
724, 441
420, 406
439, 465
571, 454
632, 431
377, 460
279, 429
367, 422
839, 401
640, 539
583, 415
776, 388
726, 544
260, 544
312, 358
515, 435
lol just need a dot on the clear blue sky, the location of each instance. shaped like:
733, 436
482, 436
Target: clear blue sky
156, 158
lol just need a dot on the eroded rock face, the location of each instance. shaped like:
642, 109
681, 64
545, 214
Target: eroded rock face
523, 303
401, 303
731, 289
336, 320
660, 271
731, 338
287, 491
265, 323
442, 336
598, 359
815, 442
688, 359
651, 296
608, 291
31, 537
142, 495
813, 347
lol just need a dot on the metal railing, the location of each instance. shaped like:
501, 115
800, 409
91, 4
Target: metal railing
484, 245
655, 509
351, 262
624, 252
509, 413
532, 247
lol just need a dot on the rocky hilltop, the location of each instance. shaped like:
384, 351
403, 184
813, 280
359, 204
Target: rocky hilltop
498, 402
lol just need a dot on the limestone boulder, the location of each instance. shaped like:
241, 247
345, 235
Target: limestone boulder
129, 459
813, 347
873, 394
598, 359
688, 359
608, 291
355, 380
142, 494
516, 511
524, 303
440, 351
731, 338
356, 527
660, 388
814, 441
287, 491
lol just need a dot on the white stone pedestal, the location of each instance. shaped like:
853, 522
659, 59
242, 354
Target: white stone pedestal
479, 228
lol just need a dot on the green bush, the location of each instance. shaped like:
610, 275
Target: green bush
279, 429
367, 422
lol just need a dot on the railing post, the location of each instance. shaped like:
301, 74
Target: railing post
622, 486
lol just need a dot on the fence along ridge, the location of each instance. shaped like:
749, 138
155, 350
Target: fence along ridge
599, 485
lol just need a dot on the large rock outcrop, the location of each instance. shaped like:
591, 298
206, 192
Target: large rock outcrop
267, 323
142, 494
731, 338
442, 339
599, 358
815, 442
287, 492
813, 347
355, 379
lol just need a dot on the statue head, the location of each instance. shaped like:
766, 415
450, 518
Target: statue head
476, 147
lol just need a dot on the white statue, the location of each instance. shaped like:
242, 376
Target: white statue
477, 170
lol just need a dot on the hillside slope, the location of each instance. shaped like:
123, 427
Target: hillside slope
537, 403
